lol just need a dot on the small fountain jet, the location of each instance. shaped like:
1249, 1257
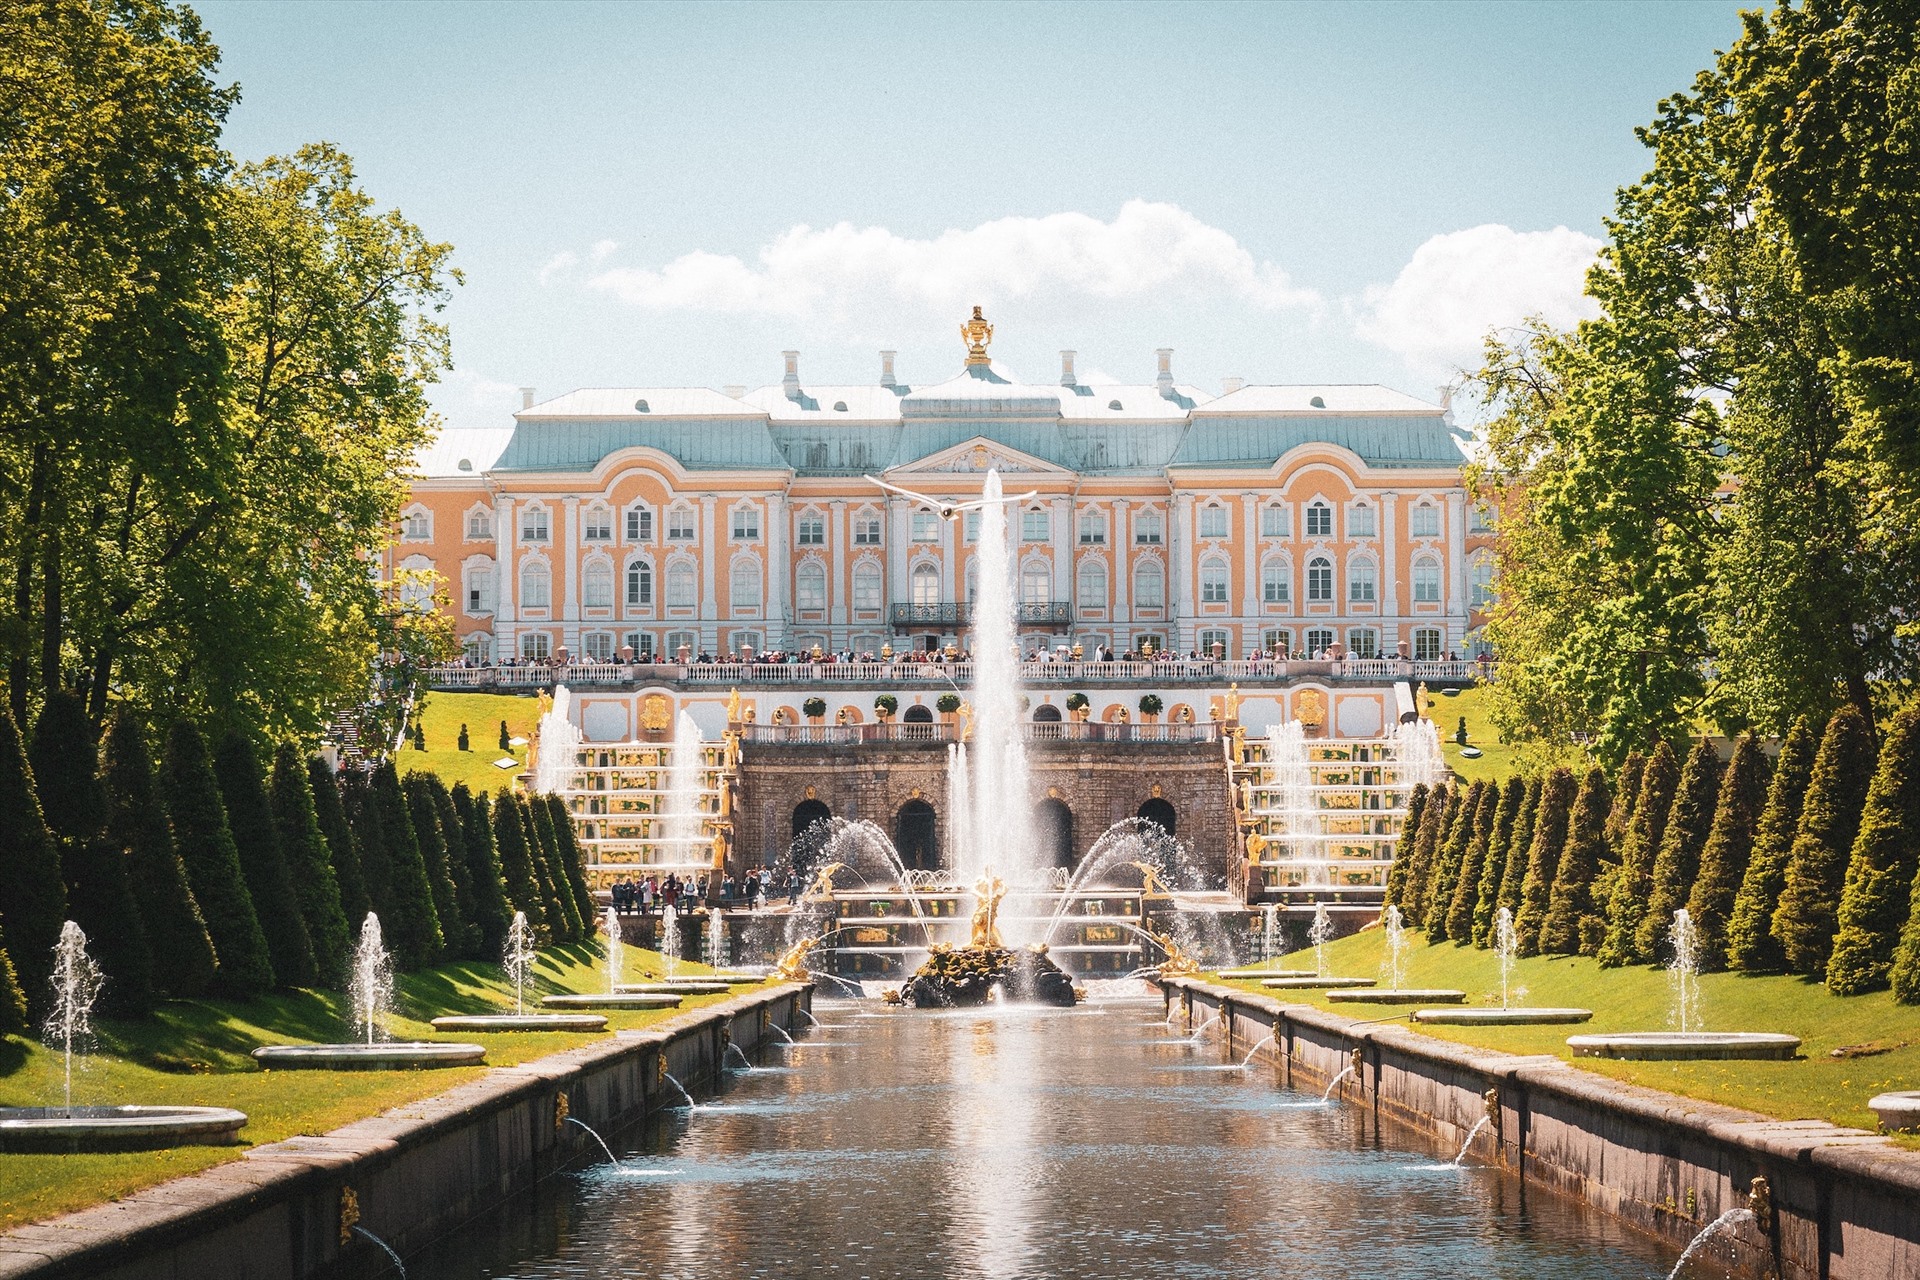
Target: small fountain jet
947, 508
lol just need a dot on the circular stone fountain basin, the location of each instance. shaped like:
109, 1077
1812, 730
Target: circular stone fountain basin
1501, 1017
1664, 1046
678, 987
63, 1129
398, 1055
1257, 975
1397, 995
627, 1000
1312, 984
521, 1022
1899, 1110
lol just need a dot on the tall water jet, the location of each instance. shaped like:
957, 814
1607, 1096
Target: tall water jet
999, 821
76, 985
682, 814
1506, 945
670, 938
1683, 975
616, 949
1299, 815
370, 981
959, 801
1416, 754
558, 744
518, 958
1319, 934
1394, 969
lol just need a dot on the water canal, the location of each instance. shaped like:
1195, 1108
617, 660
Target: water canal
1026, 1142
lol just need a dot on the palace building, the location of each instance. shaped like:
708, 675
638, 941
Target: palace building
641, 523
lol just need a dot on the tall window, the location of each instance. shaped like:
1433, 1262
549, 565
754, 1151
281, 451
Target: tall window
743, 591
535, 646
596, 525
1273, 521
680, 586
1093, 585
1479, 519
678, 640
640, 525
1213, 521
1480, 582
1319, 580
536, 586
812, 532
479, 524
680, 525
746, 524
533, 524
1426, 581
970, 527
1360, 521
866, 531
1275, 587
1093, 528
1319, 641
926, 585
478, 647
1361, 582
866, 586
1148, 528
641, 642
478, 582
1036, 584
1150, 586
1210, 638
1277, 640
1036, 526
596, 585
639, 585
926, 526
599, 645
1213, 581
1363, 642
416, 526
416, 591
810, 586
1319, 519
1424, 522
1426, 644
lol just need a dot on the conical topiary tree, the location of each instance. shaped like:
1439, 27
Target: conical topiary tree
466, 944
573, 861
1627, 899
303, 847
1689, 823
369, 841
1447, 865
410, 923
1572, 925
243, 964
13, 1001
517, 857
1626, 794
491, 914
432, 837
1403, 847
1514, 874
1723, 863
1808, 914
177, 941
553, 877
1466, 886
250, 818
1751, 946
1443, 806
99, 898
33, 896
1875, 904
1543, 858
1487, 902
343, 852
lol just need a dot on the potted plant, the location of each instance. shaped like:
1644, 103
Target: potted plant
814, 709
1150, 705
1079, 706
947, 703
884, 706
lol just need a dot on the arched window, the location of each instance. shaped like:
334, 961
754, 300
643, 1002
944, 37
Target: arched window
536, 586
1424, 521
476, 586
639, 523
417, 525
1276, 583
596, 523
1213, 580
1093, 584
1053, 832
1158, 812
680, 585
926, 584
1426, 580
1319, 519
743, 593
479, 525
1213, 521
1036, 584
1273, 520
1360, 521
416, 583
596, 585
1480, 581
1319, 640
973, 579
533, 525
1363, 642
810, 586
478, 647
639, 585
1319, 580
866, 585
1150, 586
916, 835
599, 645
1362, 582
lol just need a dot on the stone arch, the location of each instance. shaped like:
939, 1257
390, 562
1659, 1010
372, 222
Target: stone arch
1158, 810
917, 714
808, 812
808, 842
1053, 832
1046, 713
916, 835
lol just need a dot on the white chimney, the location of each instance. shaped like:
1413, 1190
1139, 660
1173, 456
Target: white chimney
1165, 380
886, 369
1067, 376
526, 397
791, 382
1230, 385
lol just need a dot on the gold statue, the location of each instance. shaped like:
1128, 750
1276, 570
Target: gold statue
792, 967
821, 890
1256, 845
966, 721
1420, 700
733, 706
1311, 710
1150, 886
1246, 795
1233, 702
1178, 963
990, 888
719, 849
977, 333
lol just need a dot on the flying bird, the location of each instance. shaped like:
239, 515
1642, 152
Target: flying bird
947, 508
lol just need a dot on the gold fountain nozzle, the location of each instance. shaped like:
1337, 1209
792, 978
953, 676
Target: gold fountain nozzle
349, 1213
1760, 1204
1358, 1061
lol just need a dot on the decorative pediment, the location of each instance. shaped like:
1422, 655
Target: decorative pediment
976, 457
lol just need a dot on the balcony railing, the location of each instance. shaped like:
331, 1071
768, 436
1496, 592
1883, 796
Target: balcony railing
947, 731
953, 613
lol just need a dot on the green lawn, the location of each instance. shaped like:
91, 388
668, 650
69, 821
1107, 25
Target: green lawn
482, 714
195, 1053
1445, 708
1817, 1086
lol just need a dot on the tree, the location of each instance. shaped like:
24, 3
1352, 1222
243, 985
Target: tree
411, 924
1723, 862
33, 897
432, 836
99, 897
1875, 902
1543, 858
1404, 846
1807, 916
491, 912
1450, 862
1633, 884
511, 834
1466, 888
1443, 805
304, 850
180, 950
1751, 946
1689, 823
561, 907
243, 966
1493, 874
342, 852
506, 739
250, 819
1626, 795
1573, 925
369, 841
573, 861
1513, 875
466, 943
13, 1001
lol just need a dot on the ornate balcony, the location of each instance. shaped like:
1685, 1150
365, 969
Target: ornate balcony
954, 613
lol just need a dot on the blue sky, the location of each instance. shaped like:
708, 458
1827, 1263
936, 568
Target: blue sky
670, 195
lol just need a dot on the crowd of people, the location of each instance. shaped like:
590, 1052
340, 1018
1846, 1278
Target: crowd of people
650, 894
921, 657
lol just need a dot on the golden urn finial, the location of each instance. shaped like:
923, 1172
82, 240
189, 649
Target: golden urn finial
977, 333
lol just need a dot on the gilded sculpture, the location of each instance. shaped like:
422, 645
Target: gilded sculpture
977, 333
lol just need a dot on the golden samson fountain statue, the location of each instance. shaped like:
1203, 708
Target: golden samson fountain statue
958, 977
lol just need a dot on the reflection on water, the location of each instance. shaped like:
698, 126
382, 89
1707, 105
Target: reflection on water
1011, 1143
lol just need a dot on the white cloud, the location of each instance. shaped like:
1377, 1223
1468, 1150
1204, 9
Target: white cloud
468, 399
843, 270
559, 264
1463, 283
602, 250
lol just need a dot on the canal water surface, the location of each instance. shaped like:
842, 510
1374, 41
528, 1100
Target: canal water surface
894, 1144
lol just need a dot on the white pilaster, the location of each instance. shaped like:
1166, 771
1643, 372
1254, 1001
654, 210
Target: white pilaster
505, 582
1250, 560
1063, 534
779, 572
1122, 571
1180, 543
567, 565
897, 519
1389, 561
839, 533
713, 547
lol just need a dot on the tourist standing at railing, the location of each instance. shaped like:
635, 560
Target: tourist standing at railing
647, 891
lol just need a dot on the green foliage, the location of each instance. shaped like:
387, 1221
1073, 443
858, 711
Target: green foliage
886, 704
1405, 845
342, 851
1808, 912
562, 909
573, 862
1639, 847
305, 852
1874, 904
1573, 925
1443, 806
1689, 823
369, 843
13, 1001
424, 817
814, 707
465, 942
490, 912
250, 819
1150, 704
1729, 847
181, 951
513, 837
1519, 849
1466, 886
1449, 862
1626, 796
947, 703
1543, 858
1751, 946
243, 967
33, 897
1513, 794
409, 923
1078, 702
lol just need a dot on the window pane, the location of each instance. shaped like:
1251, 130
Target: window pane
1279, 639
1036, 526
866, 531
1274, 585
1093, 585
1360, 522
1213, 521
926, 527
866, 587
596, 587
970, 526
599, 646
639, 584
745, 592
1319, 641
1360, 583
1093, 528
746, 525
926, 585
1036, 584
810, 587
1147, 528
1319, 521
813, 531
680, 525
1425, 522
1149, 587
1480, 579
533, 527
1426, 582
597, 526
1363, 642
1319, 580
1273, 521
1426, 645
536, 587
680, 593
1213, 582
640, 525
